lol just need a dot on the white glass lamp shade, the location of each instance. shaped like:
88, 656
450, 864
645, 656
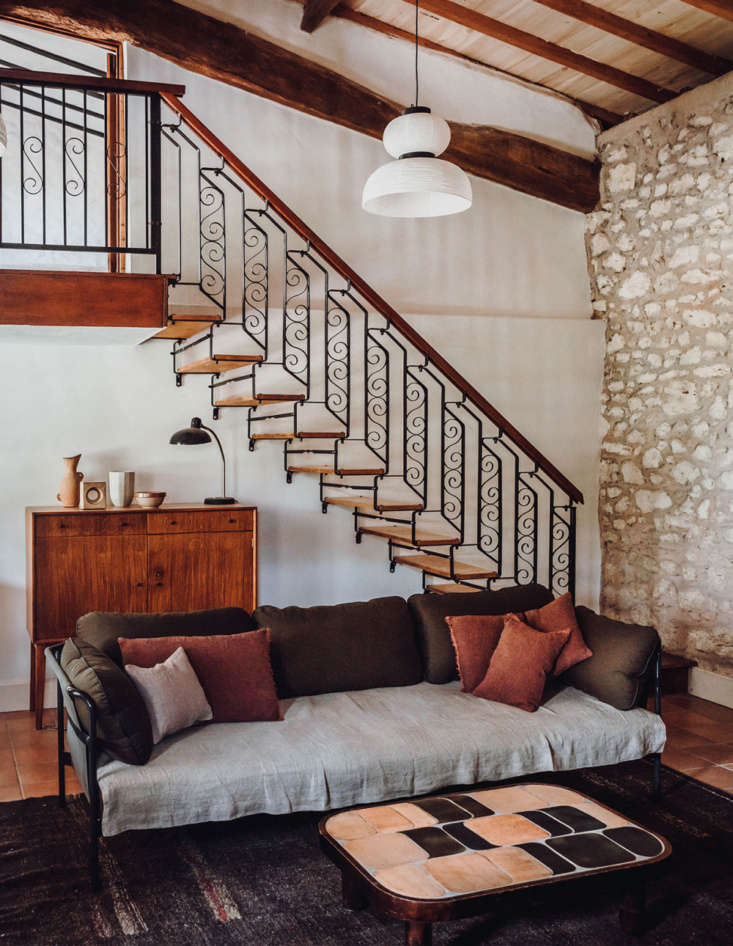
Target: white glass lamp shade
417, 187
418, 132
3, 137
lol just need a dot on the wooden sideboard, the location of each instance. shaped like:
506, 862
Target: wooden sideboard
174, 558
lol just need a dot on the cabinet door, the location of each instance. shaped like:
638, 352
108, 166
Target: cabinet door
87, 573
193, 571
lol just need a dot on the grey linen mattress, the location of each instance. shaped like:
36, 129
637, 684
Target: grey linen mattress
341, 749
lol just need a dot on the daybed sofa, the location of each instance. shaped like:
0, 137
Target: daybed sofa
372, 710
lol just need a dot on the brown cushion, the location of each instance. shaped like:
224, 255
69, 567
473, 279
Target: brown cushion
521, 664
233, 669
622, 659
474, 637
429, 612
556, 616
123, 724
102, 628
340, 647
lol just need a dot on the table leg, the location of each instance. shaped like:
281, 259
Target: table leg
38, 676
632, 912
353, 895
418, 933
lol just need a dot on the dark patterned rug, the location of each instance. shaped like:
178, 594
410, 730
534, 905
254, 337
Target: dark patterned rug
263, 881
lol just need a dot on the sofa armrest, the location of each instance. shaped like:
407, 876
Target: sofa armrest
623, 661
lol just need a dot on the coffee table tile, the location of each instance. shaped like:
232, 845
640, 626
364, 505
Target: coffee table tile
385, 850
552, 795
635, 840
435, 841
508, 829
471, 805
518, 864
511, 798
347, 826
464, 873
418, 816
442, 809
385, 818
410, 880
609, 818
575, 818
554, 827
550, 858
590, 850
462, 832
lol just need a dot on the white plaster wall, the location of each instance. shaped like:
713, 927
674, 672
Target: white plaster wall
118, 406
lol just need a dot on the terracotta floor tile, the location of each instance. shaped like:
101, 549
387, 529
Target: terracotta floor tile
37, 772
717, 753
718, 776
683, 739
410, 880
45, 738
33, 754
38, 789
682, 761
464, 873
702, 707
10, 793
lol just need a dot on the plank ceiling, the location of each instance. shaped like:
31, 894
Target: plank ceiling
687, 21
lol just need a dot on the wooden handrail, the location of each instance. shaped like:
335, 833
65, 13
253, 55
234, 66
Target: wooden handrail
93, 83
370, 295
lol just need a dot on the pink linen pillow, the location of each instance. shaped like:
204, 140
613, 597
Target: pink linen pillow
172, 695
233, 669
521, 664
556, 616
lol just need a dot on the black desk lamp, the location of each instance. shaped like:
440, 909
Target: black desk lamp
197, 433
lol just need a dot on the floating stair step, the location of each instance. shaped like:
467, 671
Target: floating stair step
306, 434
435, 565
219, 364
404, 534
186, 326
350, 471
249, 401
367, 502
452, 588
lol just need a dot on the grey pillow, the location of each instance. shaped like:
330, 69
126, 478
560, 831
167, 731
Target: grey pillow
618, 672
123, 724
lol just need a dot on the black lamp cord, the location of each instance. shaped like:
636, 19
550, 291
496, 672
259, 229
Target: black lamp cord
417, 46
221, 451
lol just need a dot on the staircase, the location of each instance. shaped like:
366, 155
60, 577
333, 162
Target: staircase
284, 331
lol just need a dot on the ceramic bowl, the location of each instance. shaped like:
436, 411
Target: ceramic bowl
149, 500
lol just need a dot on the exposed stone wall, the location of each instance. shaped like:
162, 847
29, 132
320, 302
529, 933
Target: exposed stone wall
660, 250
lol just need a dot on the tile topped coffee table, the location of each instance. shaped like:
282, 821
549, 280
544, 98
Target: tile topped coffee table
446, 856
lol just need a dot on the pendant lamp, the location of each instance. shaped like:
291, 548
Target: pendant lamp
418, 183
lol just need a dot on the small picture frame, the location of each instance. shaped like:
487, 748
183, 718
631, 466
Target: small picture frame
94, 495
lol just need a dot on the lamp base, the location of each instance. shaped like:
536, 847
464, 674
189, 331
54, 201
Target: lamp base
220, 501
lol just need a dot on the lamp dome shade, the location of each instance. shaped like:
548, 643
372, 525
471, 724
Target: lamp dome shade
416, 132
417, 187
191, 435
3, 137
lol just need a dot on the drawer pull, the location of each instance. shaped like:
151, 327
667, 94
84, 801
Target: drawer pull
62, 525
158, 573
173, 522
233, 521
124, 525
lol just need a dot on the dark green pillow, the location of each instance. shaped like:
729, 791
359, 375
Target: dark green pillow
429, 612
123, 724
618, 672
102, 628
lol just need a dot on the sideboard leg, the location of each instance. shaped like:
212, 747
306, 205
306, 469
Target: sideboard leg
353, 895
38, 676
418, 933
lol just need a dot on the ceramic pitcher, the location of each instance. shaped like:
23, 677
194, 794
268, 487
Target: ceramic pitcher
71, 483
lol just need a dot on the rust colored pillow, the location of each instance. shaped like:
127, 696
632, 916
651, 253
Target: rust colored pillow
233, 669
521, 664
556, 616
474, 637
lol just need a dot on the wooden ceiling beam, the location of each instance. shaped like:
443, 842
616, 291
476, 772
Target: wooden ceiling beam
315, 12
603, 115
609, 22
496, 29
225, 52
716, 7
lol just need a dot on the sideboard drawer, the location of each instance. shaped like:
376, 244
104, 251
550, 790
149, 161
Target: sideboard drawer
217, 520
92, 523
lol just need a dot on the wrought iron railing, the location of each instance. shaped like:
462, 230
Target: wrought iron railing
427, 459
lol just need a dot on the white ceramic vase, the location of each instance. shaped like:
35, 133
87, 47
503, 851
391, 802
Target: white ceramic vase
121, 488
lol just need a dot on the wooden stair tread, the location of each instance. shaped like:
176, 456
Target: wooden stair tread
367, 502
404, 534
452, 588
306, 434
247, 400
435, 565
219, 364
350, 471
186, 326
